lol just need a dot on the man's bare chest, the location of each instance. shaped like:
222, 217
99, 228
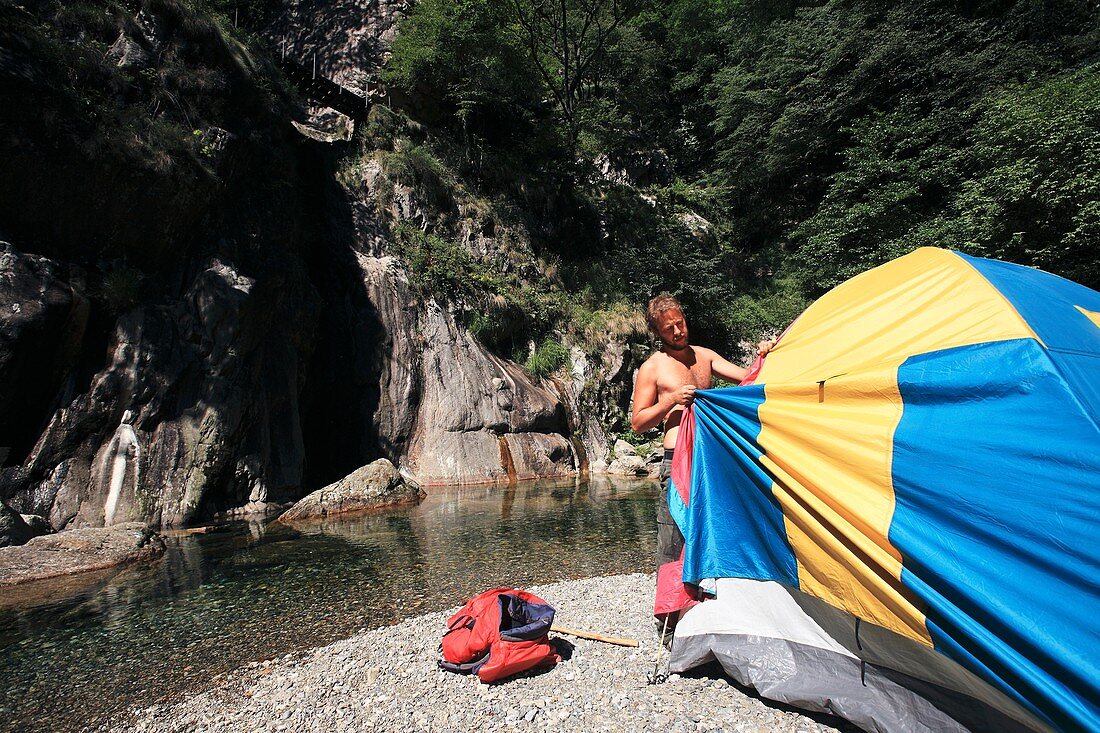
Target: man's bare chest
675, 374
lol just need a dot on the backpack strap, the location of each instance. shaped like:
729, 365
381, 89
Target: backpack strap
461, 622
467, 668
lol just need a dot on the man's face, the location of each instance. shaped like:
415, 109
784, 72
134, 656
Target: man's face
672, 329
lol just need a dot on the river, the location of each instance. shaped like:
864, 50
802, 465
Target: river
255, 590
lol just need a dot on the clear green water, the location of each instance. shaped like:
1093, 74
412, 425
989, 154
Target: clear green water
257, 590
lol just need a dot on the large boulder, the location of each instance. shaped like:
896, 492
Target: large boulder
374, 486
79, 551
632, 461
14, 530
630, 464
622, 448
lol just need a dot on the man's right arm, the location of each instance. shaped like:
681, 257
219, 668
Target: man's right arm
648, 411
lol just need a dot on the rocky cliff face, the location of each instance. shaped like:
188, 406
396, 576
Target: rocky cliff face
43, 317
280, 359
347, 39
431, 397
195, 408
247, 391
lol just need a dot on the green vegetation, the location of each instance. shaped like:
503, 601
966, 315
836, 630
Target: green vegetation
748, 154
506, 307
568, 160
548, 357
636, 439
121, 289
438, 266
474, 249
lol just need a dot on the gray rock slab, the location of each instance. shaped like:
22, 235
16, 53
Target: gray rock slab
628, 465
375, 485
78, 551
622, 448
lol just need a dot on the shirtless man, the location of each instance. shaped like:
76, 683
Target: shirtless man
665, 385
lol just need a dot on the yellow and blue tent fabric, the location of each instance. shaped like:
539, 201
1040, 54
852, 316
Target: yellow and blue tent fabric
921, 450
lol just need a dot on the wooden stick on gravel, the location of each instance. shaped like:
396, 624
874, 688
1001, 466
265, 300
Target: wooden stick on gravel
596, 637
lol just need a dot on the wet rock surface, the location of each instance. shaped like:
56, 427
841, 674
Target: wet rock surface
421, 389
376, 485
386, 679
78, 551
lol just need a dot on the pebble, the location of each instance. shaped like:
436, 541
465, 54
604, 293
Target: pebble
601, 687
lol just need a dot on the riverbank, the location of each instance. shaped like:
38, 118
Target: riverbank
386, 679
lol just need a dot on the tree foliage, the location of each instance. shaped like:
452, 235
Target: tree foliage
815, 139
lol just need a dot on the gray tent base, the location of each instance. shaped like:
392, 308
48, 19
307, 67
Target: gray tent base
798, 650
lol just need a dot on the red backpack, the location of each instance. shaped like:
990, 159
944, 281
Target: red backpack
499, 633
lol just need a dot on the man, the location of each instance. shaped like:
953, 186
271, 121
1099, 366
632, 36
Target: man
665, 385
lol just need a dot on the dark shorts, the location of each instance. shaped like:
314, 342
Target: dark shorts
670, 542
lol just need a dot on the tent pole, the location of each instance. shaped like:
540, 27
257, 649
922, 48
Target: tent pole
656, 679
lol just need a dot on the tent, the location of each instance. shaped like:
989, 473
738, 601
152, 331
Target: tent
902, 509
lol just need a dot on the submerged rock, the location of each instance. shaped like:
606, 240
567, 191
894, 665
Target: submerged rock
79, 551
376, 485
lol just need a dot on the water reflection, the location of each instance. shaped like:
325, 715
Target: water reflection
257, 590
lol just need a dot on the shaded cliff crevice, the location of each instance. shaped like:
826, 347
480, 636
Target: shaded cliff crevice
42, 331
364, 326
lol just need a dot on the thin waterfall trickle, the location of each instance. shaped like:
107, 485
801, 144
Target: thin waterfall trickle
124, 453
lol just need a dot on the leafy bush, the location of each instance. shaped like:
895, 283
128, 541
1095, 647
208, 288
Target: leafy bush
437, 266
1017, 182
416, 166
548, 357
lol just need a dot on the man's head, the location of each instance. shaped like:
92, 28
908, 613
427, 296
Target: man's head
665, 317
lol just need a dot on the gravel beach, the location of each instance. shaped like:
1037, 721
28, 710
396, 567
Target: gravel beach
386, 679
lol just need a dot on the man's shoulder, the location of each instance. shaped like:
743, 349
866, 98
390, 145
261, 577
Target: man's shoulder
652, 362
702, 352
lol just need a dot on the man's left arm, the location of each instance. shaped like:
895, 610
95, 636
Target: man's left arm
729, 371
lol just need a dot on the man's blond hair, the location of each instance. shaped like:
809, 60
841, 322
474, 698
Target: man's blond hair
658, 305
